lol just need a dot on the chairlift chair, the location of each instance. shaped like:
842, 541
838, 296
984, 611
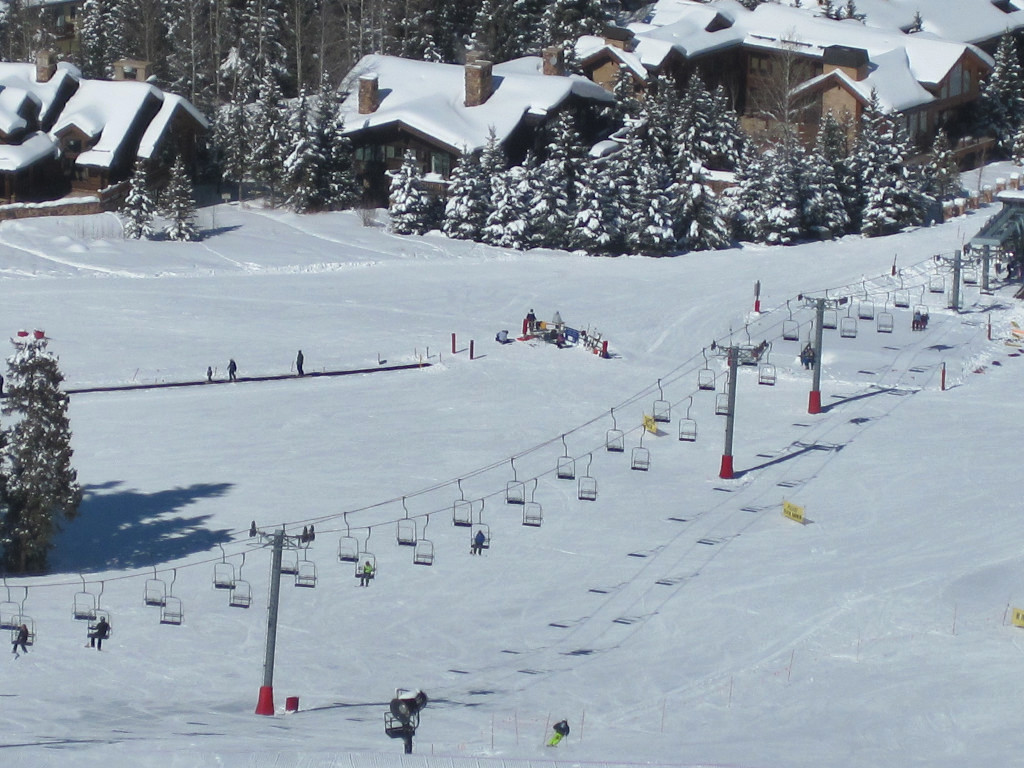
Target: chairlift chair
586, 489
241, 592
688, 426
790, 327
722, 404
290, 561
533, 515
971, 276
423, 554
406, 533
936, 284
364, 558
172, 611
766, 371
95, 620
830, 319
348, 545
84, 605
305, 576
615, 439
566, 469
640, 458
885, 322
515, 490
155, 591
482, 528
902, 299
866, 310
662, 408
223, 572
705, 376
9, 611
848, 325
20, 619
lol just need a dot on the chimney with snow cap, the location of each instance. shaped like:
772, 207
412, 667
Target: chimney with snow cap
46, 66
478, 83
851, 61
554, 60
369, 94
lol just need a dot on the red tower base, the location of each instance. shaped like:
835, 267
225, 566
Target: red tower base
726, 472
757, 306
814, 401
265, 706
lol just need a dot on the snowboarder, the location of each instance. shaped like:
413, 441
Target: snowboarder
232, 369
298, 363
561, 731
99, 633
209, 374
366, 574
478, 543
21, 639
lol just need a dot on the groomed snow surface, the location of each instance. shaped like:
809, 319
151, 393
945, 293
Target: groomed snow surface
678, 619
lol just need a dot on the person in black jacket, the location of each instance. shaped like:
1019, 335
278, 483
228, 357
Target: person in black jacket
99, 633
21, 639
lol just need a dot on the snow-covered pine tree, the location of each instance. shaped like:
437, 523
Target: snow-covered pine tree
730, 141
662, 115
188, 73
92, 38
824, 213
40, 486
695, 133
1001, 103
261, 38
468, 203
230, 129
595, 228
942, 172
832, 146
304, 162
768, 199
555, 178
627, 105
178, 206
699, 225
893, 194
1017, 152
511, 195
565, 21
267, 133
650, 228
138, 208
412, 209
336, 178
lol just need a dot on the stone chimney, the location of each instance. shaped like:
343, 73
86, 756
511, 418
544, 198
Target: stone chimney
131, 69
369, 95
46, 66
478, 83
554, 60
852, 61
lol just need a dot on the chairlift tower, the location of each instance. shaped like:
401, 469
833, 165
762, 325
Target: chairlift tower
726, 472
957, 262
814, 400
278, 540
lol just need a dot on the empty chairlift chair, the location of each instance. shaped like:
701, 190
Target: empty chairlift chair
848, 325
305, 576
722, 404
515, 490
155, 592
614, 439
705, 376
885, 321
84, 606
533, 514
766, 371
937, 284
290, 561
661, 410
830, 319
462, 510
586, 489
241, 593
223, 572
406, 533
640, 459
688, 426
423, 554
348, 545
790, 327
866, 310
172, 611
566, 469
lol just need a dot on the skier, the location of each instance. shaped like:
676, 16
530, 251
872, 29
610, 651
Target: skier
99, 633
209, 374
232, 368
478, 543
561, 731
366, 574
298, 363
531, 321
21, 639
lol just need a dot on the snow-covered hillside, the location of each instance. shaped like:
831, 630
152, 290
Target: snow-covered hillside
678, 619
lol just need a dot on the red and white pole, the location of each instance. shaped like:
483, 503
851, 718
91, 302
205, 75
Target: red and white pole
757, 297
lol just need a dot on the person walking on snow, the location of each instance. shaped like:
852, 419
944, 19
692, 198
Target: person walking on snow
99, 633
298, 363
21, 639
232, 368
561, 731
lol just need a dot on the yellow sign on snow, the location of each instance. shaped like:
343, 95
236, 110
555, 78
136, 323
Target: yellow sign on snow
792, 511
650, 424
1018, 617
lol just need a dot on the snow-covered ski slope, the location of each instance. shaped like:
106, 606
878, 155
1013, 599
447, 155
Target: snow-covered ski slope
678, 619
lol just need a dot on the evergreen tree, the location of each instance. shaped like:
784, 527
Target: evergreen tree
267, 132
824, 210
230, 130
627, 106
566, 21
186, 23
412, 208
138, 208
700, 225
468, 203
555, 180
302, 166
595, 227
662, 114
1018, 146
695, 130
179, 208
40, 486
335, 179
1001, 104
92, 42
943, 171
650, 226
511, 196
832, 147
730, 140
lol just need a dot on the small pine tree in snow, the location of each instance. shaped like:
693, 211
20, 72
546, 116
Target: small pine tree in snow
266, 137
832, 147
469, 200
650, 228
1018, 146
824, 211
700, 225
179, 208
138, 208
411, 207
302, 166
512, 194
40, 487
943, 171
335, 178
1001, 104
730, 140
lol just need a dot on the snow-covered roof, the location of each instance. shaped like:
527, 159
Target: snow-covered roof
899, 63
430, 98
172, 103
108, 109
590, 46
12, 101
23, 76
35, 147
